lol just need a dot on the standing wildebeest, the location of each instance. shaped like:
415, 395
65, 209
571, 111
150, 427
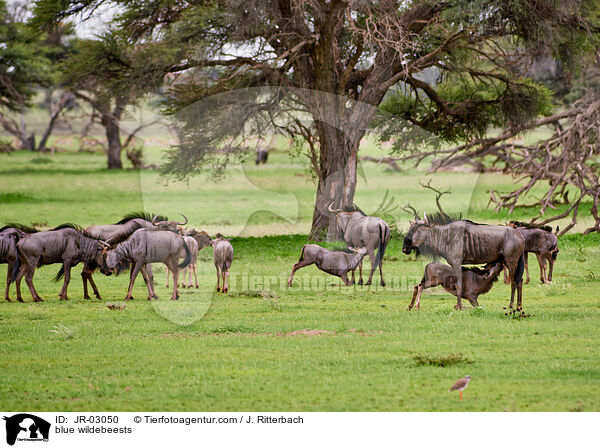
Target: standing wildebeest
120, 231
193, 248
475, 281
10, 235
67, 244
334, 262
465, 242
360, 230
262, 155
543, 243
150, 246
222, 257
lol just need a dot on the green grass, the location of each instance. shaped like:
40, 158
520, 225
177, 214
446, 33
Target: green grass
246, 350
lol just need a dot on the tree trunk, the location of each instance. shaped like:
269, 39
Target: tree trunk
337, 180
110, 121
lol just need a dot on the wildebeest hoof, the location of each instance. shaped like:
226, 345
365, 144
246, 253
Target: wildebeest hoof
368, 283
382, 283
19, 299
458, 307
127, 299
218, 289
7, 299
360, 282
225, 290
37, 299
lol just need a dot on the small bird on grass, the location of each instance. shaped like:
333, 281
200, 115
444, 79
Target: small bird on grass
461, 385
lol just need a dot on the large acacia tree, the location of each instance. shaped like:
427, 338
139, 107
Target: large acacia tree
332, 62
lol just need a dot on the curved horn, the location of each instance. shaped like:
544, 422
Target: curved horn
182, 223
425, 218
333, 210
154, 219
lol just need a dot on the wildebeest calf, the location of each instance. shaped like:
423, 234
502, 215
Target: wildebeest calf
475, 281
543, 243
222, 256
334, 262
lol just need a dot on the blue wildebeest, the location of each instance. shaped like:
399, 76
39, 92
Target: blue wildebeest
461, 241
150, 246
543, 243
475, 281
10, 235
222, 257
360, 230
67, 244
334, 262
118, 232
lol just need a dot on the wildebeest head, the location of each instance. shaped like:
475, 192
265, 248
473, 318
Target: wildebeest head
173, 226
112, 260
414, 238
362, 251
342, 216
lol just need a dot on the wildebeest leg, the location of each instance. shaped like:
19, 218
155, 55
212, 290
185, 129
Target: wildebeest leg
148, 279
295, 267
18, 282
426, 282
134, 272
381, 272
94, 288
29, 281
458, 273
416, 293
550, 266
63, 291
542, 262
195, 276
226, 280
345, 279
505, 274
353, 278
9, 270
172, 265
371, 253
148, 284
218, 278
168, 275
526, 255
150, 274
360, 279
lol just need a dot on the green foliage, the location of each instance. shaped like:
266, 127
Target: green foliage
424, 359
24, 62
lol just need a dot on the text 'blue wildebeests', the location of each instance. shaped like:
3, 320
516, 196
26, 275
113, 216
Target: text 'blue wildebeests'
360, 230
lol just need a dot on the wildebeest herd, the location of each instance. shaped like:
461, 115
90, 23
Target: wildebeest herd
141, 239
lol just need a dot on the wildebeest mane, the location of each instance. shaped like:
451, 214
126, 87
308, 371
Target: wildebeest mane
78, 228
353, 208
530, 225
21, 227
441, 218
141, 215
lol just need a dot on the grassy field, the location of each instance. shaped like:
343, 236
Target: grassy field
256, 348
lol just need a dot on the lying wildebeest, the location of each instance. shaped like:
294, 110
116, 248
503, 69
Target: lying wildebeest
262, 155
334, 262
67, 244
193, 248
461, 241
222, 257
150, 246
117, 232
543, 243
10, 235
475, 281
360, 230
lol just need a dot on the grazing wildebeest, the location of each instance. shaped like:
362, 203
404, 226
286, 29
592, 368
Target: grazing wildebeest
67, 244
10, 235
193, 248
150, 246
475, 281
360, 230
335, 262
262, 155
114, 234
222, 257
543, 243
461, 241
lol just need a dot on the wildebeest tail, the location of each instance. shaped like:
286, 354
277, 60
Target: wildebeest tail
554, 251
60, 274
302, 254
384, 235
188, 256
520, 269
